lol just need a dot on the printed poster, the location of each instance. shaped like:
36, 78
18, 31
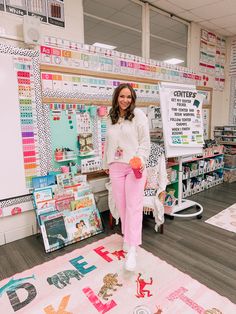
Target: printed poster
17, 7
184, 125
37, 8
56, 12
154, 117
206, 121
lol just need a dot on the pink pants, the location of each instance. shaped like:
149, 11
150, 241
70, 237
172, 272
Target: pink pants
127, 192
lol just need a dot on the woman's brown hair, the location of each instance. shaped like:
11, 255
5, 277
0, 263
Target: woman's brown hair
115, 110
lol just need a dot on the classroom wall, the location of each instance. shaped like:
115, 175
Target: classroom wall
19, 226
220, 101
11, 25
11, 32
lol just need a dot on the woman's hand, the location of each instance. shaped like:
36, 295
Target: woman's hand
106, 171
162, 196
142, 167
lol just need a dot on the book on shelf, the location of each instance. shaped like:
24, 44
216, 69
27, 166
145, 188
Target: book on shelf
42, 195
43, 181
64, 203
82, 191
41, 212
83, 223
65, 179
45, 204
83, 202
54, 233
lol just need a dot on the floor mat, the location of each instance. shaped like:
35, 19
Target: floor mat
92, 280
226, 219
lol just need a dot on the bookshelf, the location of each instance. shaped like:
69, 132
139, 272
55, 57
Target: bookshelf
226, 135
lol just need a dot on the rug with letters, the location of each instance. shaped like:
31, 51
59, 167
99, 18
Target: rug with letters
226, 219
92, 280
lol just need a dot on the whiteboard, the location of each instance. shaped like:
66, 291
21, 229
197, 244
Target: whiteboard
12, 174
173, 151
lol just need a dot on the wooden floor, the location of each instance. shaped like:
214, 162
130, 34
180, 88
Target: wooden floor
203, 251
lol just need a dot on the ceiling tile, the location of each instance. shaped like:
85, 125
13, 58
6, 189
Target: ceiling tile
167, 6
188, 4
216, 15
226, 21
226, 32
232, 29
159, 22
187, 15
100, 33
130, 50
134, 10
207, 24
215, 28
89, 23
95, 8
159, 18
127, 20
215, 10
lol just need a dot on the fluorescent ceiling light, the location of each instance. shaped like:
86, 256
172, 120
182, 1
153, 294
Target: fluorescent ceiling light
173, 61
104, 46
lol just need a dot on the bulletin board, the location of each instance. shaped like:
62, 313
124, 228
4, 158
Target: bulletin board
63, 133
20, 129
77, 136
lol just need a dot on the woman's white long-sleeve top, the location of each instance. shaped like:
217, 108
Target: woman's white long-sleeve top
131, 136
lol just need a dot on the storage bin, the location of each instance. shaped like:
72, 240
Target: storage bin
230, 175
230, 161
59, 155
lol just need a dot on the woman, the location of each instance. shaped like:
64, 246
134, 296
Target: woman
127, 136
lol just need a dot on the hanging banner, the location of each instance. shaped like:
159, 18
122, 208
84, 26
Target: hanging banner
37, 8
16, 7
183, 115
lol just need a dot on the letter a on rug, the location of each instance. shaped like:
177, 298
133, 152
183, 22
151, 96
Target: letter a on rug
92, 280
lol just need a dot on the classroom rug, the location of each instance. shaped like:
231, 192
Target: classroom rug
226, 219
92, 280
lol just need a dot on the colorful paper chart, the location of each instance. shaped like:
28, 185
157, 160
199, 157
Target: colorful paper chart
27, 106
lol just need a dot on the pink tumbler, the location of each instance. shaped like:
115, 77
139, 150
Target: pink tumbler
136, 165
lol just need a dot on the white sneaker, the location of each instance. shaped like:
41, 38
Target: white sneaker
126, 247
130, 262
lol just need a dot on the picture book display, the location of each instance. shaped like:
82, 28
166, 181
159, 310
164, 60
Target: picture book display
66, 215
